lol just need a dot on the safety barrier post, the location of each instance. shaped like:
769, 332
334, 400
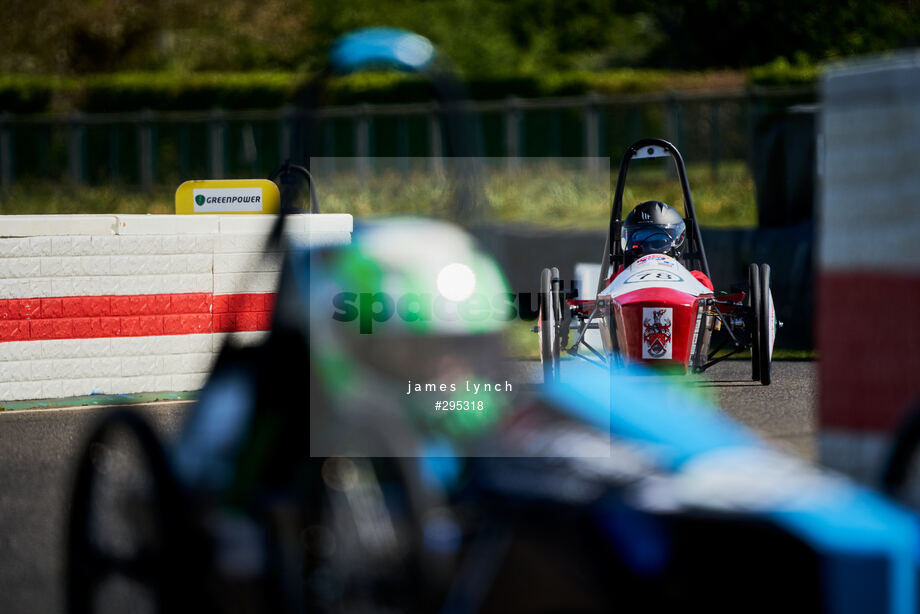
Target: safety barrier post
435, 143
6, 152
75, 147
216, 143
363, 140
145, 149
592, 137
512, 120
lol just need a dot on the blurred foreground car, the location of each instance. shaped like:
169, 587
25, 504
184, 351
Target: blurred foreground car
565, 499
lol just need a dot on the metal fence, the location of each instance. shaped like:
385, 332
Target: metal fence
149, 148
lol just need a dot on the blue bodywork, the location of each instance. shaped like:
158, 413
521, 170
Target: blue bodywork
844, 524
382, 48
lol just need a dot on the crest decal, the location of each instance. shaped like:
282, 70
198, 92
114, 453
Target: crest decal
656, 336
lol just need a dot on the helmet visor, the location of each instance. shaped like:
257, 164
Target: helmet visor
654, 239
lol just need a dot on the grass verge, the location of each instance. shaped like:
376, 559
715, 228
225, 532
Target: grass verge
543, 193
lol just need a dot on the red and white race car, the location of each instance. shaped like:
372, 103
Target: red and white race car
658, 310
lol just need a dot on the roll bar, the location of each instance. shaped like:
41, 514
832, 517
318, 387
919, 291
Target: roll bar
613, 249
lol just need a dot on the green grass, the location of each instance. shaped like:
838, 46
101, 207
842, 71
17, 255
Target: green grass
545, 194
99, 399
781, 354
541, 194
45, 198
520, 342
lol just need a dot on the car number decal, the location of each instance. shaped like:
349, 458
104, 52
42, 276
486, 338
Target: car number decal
653, 275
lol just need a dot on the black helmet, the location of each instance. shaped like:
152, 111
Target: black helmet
654, 228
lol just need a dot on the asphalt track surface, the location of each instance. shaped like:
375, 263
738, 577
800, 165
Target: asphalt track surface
38, 451
783, 412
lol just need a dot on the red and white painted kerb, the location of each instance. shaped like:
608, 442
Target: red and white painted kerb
868, 315
124, 304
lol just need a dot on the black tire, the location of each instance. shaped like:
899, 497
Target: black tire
549, 328
900, 470
123, 535
385, 571
614, 360
562, 313
765, 327
754, 303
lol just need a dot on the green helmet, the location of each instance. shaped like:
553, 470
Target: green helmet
411, 276
409, 300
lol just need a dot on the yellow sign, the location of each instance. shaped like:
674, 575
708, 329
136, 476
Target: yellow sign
228, 196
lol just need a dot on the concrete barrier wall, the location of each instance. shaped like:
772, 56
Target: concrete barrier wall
114, 304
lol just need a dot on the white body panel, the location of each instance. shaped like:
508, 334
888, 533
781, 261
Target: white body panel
587, 273
654, 271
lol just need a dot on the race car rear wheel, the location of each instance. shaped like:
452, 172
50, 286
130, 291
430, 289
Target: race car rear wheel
754, 303
764, 328
550, 342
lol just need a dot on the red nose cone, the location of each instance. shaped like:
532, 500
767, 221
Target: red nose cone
655, 326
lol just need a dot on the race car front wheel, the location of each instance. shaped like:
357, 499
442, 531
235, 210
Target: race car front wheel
754, 303
765, 327
550, 341
563, 318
